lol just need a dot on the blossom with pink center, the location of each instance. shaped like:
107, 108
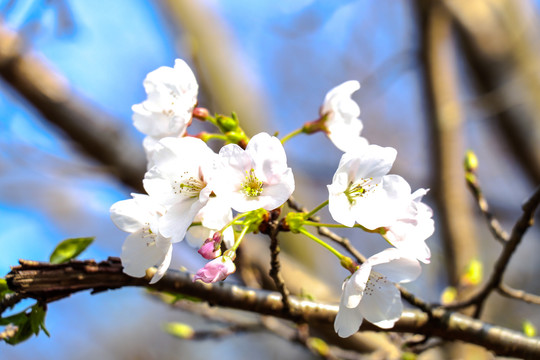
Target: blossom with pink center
255, 178
179, 180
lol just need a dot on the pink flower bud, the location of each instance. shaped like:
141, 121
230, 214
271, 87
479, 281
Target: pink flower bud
201, 113
216, 270
211, 248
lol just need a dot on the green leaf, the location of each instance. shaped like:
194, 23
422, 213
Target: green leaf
28, 324
69, 249
37, 319
23, 333
4, 289
15, 319
180, 330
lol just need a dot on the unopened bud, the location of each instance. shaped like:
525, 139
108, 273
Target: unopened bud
201, 113
236, 137
349, 264
471, 161
211, 248
226, 123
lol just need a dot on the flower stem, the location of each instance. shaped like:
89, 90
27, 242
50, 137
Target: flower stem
240, 237
322, 243
314, 211
317, 224
291, 135
215, 136
234, 221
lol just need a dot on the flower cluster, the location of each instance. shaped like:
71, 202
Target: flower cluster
193, 193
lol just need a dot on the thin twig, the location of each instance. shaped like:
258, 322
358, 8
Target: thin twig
510, 292
272, 231
493, 224
494, 282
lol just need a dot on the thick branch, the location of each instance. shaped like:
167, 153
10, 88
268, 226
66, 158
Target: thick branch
47, 282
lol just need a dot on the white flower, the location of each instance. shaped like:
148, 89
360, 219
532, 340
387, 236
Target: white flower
213, 216
362, 192
370, 292
255, 178
145, 246
342, 123
171, 97
179, 180
412, 228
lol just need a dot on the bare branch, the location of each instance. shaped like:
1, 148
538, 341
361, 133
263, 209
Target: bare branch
510, 292
493, 224
494, 282
46, 282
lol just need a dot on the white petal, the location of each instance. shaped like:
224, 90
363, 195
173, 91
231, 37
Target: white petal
274, 195
385, 204
216, 213
128, 216
134, 214
347, 321
346, 139
176, 221
396, 265
138, 255
162, 268
340, 208
353, 288
268, 157
234, 157
371, 161
381, 304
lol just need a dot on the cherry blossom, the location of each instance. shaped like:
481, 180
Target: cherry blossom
370, 292
171, 98
341, 113
179, 180
255, 178
410, 231
145, 246
362, 192
216, 270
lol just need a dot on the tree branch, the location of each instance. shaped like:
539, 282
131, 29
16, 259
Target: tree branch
47, 282
493, 224
494, 282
